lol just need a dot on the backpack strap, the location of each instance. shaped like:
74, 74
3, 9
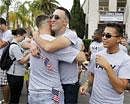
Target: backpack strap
13, 43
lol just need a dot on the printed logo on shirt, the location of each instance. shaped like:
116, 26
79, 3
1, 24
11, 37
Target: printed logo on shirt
46, 62
95, 47
100, 67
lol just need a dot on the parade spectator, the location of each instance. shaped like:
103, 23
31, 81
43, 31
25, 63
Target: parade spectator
15, 75
96, 44
5, 37
124, 44
110, 70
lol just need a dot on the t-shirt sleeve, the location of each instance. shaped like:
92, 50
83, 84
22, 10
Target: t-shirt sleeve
124, 71
16, 52
92, 64
71, 35
8, 36
67, 54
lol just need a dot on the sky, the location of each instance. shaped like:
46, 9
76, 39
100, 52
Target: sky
65, 3
68, 3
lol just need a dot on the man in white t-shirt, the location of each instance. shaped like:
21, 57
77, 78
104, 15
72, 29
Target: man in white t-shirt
110, 70
96, 44
5, 37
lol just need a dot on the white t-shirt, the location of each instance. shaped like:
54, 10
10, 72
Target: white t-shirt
96, 47
69, 72
44, 73
102, 91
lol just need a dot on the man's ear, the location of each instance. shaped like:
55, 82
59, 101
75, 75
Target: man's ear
119, 40
65, 22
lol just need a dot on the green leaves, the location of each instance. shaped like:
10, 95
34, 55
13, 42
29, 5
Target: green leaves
78, 19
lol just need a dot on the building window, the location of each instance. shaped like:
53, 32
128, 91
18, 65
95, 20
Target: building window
103, 5
121, 5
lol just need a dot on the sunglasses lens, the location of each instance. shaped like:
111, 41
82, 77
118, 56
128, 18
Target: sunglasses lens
107, 35
56, 17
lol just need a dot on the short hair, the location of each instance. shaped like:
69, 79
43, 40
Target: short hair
13, 32
118, 27
98, 32
41, 18
67, 13
2, 21
19, 31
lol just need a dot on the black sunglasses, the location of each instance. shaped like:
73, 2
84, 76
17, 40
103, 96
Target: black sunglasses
108, 35
56, 17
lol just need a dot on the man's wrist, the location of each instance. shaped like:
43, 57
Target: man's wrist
108, 68
86, 83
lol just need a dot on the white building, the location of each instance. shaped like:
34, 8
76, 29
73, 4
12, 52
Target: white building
100, 12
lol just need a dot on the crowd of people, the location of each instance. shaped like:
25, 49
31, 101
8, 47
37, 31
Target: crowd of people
54, 60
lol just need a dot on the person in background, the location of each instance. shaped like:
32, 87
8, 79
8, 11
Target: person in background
5, 37
124, 44
96, 44
109, 69
15, 75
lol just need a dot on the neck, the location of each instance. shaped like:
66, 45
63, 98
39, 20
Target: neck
113, 50
16, 38
44, 31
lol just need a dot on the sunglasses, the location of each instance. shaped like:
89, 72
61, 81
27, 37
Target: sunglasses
56, 17
108, 35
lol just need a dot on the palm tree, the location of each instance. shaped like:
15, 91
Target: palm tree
2, 9
46, 6
12, 18
26, 16
33, 11
38, 7
7, 3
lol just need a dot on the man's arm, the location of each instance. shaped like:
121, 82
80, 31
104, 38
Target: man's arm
87, 84
3, 43
57, 44
80, 58
118, 84
54, 45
